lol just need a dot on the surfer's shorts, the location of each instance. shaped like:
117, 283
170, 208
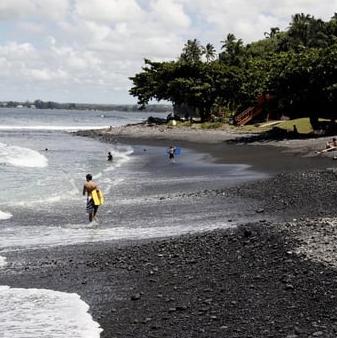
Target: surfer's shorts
91, 207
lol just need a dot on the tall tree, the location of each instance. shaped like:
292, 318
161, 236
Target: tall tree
210, 52
192, 51
273, 32
233, 50
198, 85
297, 66
307, 32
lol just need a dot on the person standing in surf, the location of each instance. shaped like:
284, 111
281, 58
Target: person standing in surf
88, 187
171, 153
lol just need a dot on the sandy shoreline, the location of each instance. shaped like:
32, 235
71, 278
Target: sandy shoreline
222, 145
272, 277
158, 134
162, 134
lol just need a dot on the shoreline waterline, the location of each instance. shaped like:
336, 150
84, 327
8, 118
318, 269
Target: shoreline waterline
185, 284
221, 145
44, 312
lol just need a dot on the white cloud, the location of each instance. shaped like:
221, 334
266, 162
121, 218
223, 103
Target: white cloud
85, 50
16, 9
110, 11
249, 19
17, 52
56, 10
46, 74
12, 9
170, 13
30, 27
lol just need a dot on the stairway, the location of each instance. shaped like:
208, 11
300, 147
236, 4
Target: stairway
247, 115
251, 112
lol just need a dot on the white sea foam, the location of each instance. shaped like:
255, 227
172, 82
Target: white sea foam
51, 200
5, 215
41, 201
44, 313
3, 262
108, 183
31, 200
97, 176
21, 157
51, 128
121, 155
43, 237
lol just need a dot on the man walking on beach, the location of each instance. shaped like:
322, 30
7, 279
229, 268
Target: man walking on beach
88, 187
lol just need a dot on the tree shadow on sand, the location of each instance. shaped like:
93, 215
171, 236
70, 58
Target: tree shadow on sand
279, 134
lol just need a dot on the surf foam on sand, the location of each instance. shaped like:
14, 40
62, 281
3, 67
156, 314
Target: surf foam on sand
3, 262
21, 157
72, 234
44, 313
5, 215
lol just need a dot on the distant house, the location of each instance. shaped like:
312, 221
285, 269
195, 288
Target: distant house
32, 106
19, 106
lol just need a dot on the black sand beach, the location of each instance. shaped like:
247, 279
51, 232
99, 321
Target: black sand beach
272, 276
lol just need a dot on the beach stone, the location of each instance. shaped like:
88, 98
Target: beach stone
136, 296
155, 327
234, 276
181, 308
223, 327
247, 233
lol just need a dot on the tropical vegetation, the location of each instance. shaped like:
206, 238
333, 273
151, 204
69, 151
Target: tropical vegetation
297, 68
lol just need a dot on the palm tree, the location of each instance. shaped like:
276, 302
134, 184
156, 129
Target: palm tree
230, 40
332, 29
299, 30
306, 31
210, 52
192, 51
233, 50
273, 32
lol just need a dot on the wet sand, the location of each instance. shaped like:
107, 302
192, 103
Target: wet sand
270, 155
272, 276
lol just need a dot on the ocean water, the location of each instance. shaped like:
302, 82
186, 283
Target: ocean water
41, 205
43, 167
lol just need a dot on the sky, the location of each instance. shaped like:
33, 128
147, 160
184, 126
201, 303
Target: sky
86, 50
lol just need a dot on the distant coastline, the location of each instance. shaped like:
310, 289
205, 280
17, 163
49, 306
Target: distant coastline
39, 104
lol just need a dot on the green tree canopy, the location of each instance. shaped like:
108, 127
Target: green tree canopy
297, 66
192, 51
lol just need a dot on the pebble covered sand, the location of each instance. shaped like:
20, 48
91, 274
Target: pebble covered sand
266, 279
275, 277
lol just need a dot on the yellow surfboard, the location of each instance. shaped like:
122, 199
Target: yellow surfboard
98, 197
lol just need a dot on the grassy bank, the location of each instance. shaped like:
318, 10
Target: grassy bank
302, 125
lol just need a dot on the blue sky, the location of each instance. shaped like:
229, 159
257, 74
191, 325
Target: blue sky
85, 50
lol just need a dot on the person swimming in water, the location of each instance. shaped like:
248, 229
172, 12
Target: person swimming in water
110, 158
